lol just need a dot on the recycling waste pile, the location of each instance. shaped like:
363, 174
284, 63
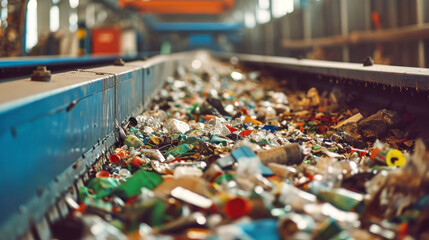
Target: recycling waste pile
223, 153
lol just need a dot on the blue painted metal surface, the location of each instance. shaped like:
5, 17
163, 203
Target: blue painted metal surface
35, 61
201, 35
43, 137
64, 61
197, 27
154, 80
198, 41
194, 26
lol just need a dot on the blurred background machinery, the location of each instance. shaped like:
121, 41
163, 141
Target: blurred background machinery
393, 32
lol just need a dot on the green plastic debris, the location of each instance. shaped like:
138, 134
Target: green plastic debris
133, 141
178, 137
224, 177
118, 224
133, 185
157, 215
316, 146
191, 141
136, 213
194, 108
341, 198
181, 149
103, 186
383, 168
154, 212
218, 139
310, 158
84, 193
134, 130
99, 204
264, 142
344, 235
255, 194
409, 214
328, 229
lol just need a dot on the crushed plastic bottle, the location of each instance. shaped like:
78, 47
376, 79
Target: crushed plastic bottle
176, 126
133, 141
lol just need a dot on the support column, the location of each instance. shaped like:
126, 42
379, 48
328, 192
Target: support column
367, 12
344, 28
306, 22
43, 20
421, 44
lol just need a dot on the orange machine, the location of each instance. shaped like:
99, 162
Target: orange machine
106, 40
179, 6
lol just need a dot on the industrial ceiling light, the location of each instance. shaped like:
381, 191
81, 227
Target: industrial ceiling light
264, 4
74, 3
249, 20
54, 16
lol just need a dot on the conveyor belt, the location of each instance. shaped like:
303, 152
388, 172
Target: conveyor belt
60, 126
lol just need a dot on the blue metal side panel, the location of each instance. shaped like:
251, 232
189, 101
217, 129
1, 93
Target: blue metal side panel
155, 79
129, 94
108, 106
43, 138
149, 74
137, 92
121, 96
159, 72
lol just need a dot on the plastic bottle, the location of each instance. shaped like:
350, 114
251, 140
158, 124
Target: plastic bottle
133, 141
287, 155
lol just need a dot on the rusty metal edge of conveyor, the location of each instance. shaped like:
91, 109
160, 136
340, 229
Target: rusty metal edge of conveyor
393, 76
55, 134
